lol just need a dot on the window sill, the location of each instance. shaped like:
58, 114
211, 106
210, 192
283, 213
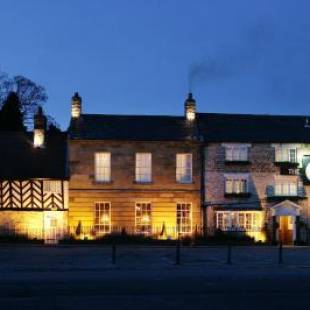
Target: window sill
237, 195
286, 164
186, 183
142, 183
102, 182
280, 197
237, 162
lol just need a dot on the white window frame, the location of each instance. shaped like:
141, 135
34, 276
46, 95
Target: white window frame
143, 221
283, 153
248, 221
143, 167
181, 228
52, 187
289, 189
106, 227
236, 152
184, 174
236, 180
102, 169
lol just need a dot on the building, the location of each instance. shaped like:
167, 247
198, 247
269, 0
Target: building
34, 182
233, 173
257, 175
134, 174
159, 176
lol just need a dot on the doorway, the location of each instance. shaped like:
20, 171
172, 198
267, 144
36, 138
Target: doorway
54, 226
286, 229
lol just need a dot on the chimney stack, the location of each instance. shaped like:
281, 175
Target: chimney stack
39, 129
76, 106
190, 108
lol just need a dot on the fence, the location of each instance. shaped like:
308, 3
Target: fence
94, 232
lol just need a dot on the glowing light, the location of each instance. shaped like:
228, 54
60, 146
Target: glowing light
145, 219
190, 115
76, 110
38, 140
105, 218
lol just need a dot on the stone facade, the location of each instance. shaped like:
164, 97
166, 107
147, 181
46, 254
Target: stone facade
263, 173
123, 192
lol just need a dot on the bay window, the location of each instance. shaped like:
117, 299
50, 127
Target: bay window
236, 184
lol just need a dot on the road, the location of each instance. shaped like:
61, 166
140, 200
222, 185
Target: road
147, 278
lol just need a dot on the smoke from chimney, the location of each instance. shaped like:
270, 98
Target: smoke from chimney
243, 56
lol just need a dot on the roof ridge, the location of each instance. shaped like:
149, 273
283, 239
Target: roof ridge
131, 115
249, 114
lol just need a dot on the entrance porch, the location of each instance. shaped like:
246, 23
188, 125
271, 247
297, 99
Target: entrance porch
285, 217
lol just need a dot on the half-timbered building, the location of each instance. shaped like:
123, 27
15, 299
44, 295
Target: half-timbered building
34, 182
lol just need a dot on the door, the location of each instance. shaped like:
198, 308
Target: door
54, 223
286, 229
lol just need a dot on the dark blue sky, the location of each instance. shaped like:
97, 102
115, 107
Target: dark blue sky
140, 56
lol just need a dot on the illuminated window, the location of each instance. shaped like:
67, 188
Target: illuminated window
184, 168
143, 167
51, 186
285, 189
238, 221
143, 218
103, 217
236, 152
184, 218
235, 184
103, 167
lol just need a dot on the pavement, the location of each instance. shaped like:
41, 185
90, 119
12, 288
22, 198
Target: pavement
81, 277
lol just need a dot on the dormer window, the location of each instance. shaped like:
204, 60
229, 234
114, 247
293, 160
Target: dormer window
235, 184
236, 152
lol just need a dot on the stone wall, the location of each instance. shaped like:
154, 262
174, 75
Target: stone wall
262, 172
123, 192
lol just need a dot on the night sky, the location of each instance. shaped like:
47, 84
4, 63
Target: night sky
143, 56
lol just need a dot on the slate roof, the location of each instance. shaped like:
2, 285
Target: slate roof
132, 127
19, 160
216, 127
213, 127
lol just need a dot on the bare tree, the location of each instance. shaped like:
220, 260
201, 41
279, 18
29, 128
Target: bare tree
31, 96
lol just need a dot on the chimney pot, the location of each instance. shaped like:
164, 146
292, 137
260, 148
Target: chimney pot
76, 105
190, 108
39, 128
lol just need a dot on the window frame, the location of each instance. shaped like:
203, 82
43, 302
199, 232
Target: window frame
57, 185
108, 168
236, 184
179, 178
97, 227
236, 153
247, 221
287, 189
140, 227
283, 153
148, 169
180, 227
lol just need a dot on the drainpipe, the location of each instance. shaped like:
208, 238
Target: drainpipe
202, 189
274, 230
297, 225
